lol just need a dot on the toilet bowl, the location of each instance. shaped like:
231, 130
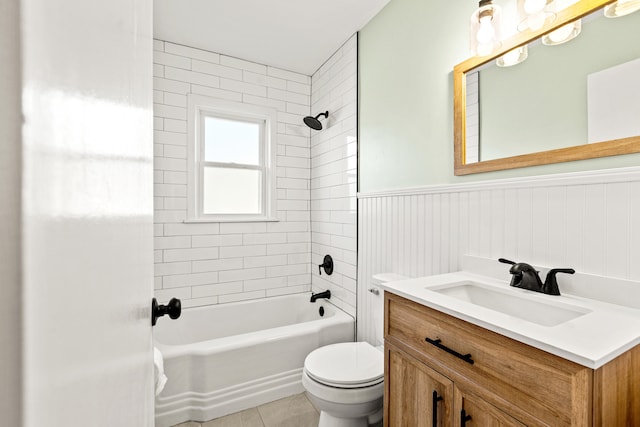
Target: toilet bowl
345, 381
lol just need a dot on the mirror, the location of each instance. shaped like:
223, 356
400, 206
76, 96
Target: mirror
566, 110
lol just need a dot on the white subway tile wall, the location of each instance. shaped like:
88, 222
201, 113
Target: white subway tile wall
334, 174
211, 263
590, 224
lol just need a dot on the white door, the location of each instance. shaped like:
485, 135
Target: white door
87, 212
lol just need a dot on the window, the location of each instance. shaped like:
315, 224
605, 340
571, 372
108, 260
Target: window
231, 161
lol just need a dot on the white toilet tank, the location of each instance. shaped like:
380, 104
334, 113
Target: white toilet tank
375, 305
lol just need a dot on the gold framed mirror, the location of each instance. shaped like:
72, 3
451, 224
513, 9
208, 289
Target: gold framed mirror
580, 147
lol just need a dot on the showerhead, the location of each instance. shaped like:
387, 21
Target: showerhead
313, 122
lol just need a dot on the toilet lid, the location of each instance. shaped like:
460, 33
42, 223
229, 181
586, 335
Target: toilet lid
346, 365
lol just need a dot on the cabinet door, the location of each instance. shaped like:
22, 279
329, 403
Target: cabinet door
415, 395
472, 411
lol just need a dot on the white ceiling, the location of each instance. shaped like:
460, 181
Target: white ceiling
296, 35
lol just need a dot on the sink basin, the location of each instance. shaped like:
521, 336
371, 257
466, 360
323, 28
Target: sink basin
508, 302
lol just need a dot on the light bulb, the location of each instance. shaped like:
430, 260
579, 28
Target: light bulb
534, 14
513, 57
485, 49
535, 22
486, 32
563, 34
534, 6
484, 29
621, 8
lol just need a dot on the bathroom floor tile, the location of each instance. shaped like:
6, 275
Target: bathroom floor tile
248, 418
294, 411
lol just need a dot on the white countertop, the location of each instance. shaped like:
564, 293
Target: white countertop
606, 330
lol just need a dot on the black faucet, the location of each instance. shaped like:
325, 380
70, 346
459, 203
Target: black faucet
326, 294
526, 277
551, 284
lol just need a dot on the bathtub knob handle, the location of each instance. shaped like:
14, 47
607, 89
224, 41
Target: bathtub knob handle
327, 265
173, 309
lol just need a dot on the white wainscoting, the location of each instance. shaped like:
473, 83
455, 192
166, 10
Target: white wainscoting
589, 221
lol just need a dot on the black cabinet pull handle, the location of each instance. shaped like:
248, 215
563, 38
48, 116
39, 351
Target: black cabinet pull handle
438, 343
434, 410
464, 418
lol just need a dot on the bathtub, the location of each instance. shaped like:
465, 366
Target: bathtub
225, 358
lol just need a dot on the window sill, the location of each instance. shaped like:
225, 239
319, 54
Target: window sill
228, 219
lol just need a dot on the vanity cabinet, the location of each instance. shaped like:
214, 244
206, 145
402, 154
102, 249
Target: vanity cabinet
494, 379
418, 395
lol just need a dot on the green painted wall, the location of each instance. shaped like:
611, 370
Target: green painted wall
406, 57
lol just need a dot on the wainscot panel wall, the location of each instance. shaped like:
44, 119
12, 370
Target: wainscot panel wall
589, 221
334, 174
212, 263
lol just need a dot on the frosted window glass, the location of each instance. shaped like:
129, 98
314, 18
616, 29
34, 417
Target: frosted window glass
231, 141
232, 191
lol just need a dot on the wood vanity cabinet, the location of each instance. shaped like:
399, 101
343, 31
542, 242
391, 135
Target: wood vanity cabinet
418, 395
463, 370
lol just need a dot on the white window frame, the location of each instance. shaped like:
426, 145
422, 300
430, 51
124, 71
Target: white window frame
202, 106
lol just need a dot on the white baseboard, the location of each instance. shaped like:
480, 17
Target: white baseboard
203, 407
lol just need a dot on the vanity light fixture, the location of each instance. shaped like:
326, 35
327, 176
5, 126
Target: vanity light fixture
621, 8
566, 32
535, 14
484, 28
513, 57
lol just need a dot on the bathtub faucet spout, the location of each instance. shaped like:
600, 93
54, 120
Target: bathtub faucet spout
326, 294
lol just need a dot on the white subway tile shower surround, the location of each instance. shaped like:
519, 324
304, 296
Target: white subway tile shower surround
212, 263
586, 221
333, 174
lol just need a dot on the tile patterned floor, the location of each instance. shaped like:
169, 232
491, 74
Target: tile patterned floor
294, 411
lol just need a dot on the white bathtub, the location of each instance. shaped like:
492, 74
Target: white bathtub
225, 358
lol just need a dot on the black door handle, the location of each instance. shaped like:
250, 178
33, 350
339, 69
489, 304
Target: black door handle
173, 309
434, 408
464, 418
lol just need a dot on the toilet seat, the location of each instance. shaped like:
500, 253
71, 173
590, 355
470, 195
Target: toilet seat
340, 395
346, 365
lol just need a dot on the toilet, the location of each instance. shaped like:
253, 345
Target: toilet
345, 380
